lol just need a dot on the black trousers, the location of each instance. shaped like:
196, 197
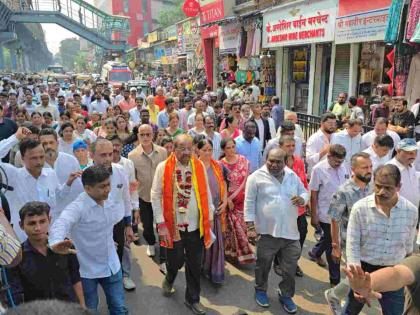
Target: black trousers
189, 250
146, 216
119, 238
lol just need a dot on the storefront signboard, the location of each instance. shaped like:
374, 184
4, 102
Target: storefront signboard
153, 37
300, 24
361, 21
228, 36
211, 11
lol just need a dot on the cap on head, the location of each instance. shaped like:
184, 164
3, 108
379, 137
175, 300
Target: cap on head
407, 144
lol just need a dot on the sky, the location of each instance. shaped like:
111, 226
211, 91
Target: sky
54, 34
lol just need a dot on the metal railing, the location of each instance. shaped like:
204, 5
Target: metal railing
310, 124
80, 12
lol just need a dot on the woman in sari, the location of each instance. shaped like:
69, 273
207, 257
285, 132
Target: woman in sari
237, 247
214, 258
231, 130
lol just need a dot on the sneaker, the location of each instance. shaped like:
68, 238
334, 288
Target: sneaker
318, 260
150, 250
162, 268
288, 305
261, 298
129, 284
196, 308
167, 288
333, 301
299, 272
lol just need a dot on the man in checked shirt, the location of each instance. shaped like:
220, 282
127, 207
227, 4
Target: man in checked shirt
380, 233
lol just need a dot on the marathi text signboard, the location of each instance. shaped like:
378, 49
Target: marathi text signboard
211, 11
361, 21
301, 24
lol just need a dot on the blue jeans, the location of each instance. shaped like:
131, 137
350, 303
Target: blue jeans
392, 303
324, 245
114, 293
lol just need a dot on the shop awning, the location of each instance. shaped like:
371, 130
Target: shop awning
394, 21
222, 21
416, 36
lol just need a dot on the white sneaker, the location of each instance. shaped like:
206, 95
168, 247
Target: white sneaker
333, 301
129, 284
150, 250
162, 268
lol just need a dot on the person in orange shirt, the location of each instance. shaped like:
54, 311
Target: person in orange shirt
127, 103
160, 98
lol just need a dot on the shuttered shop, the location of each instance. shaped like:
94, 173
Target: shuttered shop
341, 70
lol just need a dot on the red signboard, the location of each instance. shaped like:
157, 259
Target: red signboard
351, 7
211, 11
191, 8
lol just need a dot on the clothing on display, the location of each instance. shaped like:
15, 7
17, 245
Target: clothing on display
393, 24
413, 18
413, 81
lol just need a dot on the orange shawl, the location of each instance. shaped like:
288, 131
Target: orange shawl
201, 195
220, 180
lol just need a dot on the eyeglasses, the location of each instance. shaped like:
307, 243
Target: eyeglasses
145, 134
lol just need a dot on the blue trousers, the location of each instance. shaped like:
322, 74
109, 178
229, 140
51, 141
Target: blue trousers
114, 293
324, 245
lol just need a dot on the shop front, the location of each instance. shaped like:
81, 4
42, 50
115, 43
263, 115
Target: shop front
367, 70
300, 36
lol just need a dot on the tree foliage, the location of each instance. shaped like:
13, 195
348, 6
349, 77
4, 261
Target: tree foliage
171, 15
68, 51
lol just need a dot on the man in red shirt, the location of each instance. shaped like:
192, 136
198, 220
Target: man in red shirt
295, 163
127, 103
160, 98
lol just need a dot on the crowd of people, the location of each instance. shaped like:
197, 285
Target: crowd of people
212, 176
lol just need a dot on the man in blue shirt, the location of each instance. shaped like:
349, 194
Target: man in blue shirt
249, 146
90, 219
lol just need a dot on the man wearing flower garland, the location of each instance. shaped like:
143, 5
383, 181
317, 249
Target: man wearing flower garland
183, 211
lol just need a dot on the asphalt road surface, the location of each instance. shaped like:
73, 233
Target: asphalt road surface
236, 294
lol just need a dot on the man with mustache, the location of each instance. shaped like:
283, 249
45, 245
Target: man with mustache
102, 153
62, 163
406, 156
357, 187
380, 234
33, 182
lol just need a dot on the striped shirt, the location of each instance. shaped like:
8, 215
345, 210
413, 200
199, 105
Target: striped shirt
9, 247
377, 239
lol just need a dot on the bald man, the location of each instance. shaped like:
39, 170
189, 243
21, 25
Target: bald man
146, 157
183, 211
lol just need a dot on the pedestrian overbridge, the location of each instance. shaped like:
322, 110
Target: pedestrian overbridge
107, 31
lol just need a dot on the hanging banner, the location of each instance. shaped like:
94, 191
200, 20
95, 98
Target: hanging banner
361, 21
191, 8
228, 36
300, 24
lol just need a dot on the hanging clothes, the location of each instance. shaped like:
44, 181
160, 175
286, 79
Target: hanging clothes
242, 43
249, 38
256, 43
393, 24
413, 18
412, 91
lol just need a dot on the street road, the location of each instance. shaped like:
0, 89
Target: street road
236, 294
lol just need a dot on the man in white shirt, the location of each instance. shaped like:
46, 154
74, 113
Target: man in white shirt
45, 106
318, 144
135, 115
90, 220
380, 128
129, 170
33, 182
63, 164
272, 196
185, 113
406, 155
255, 90
99, 105
265, 113
87, 99
214, 136
379, 150
350, 138
327, 176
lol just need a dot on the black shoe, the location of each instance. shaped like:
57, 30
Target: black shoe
299, 272
196, 308
167, 288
